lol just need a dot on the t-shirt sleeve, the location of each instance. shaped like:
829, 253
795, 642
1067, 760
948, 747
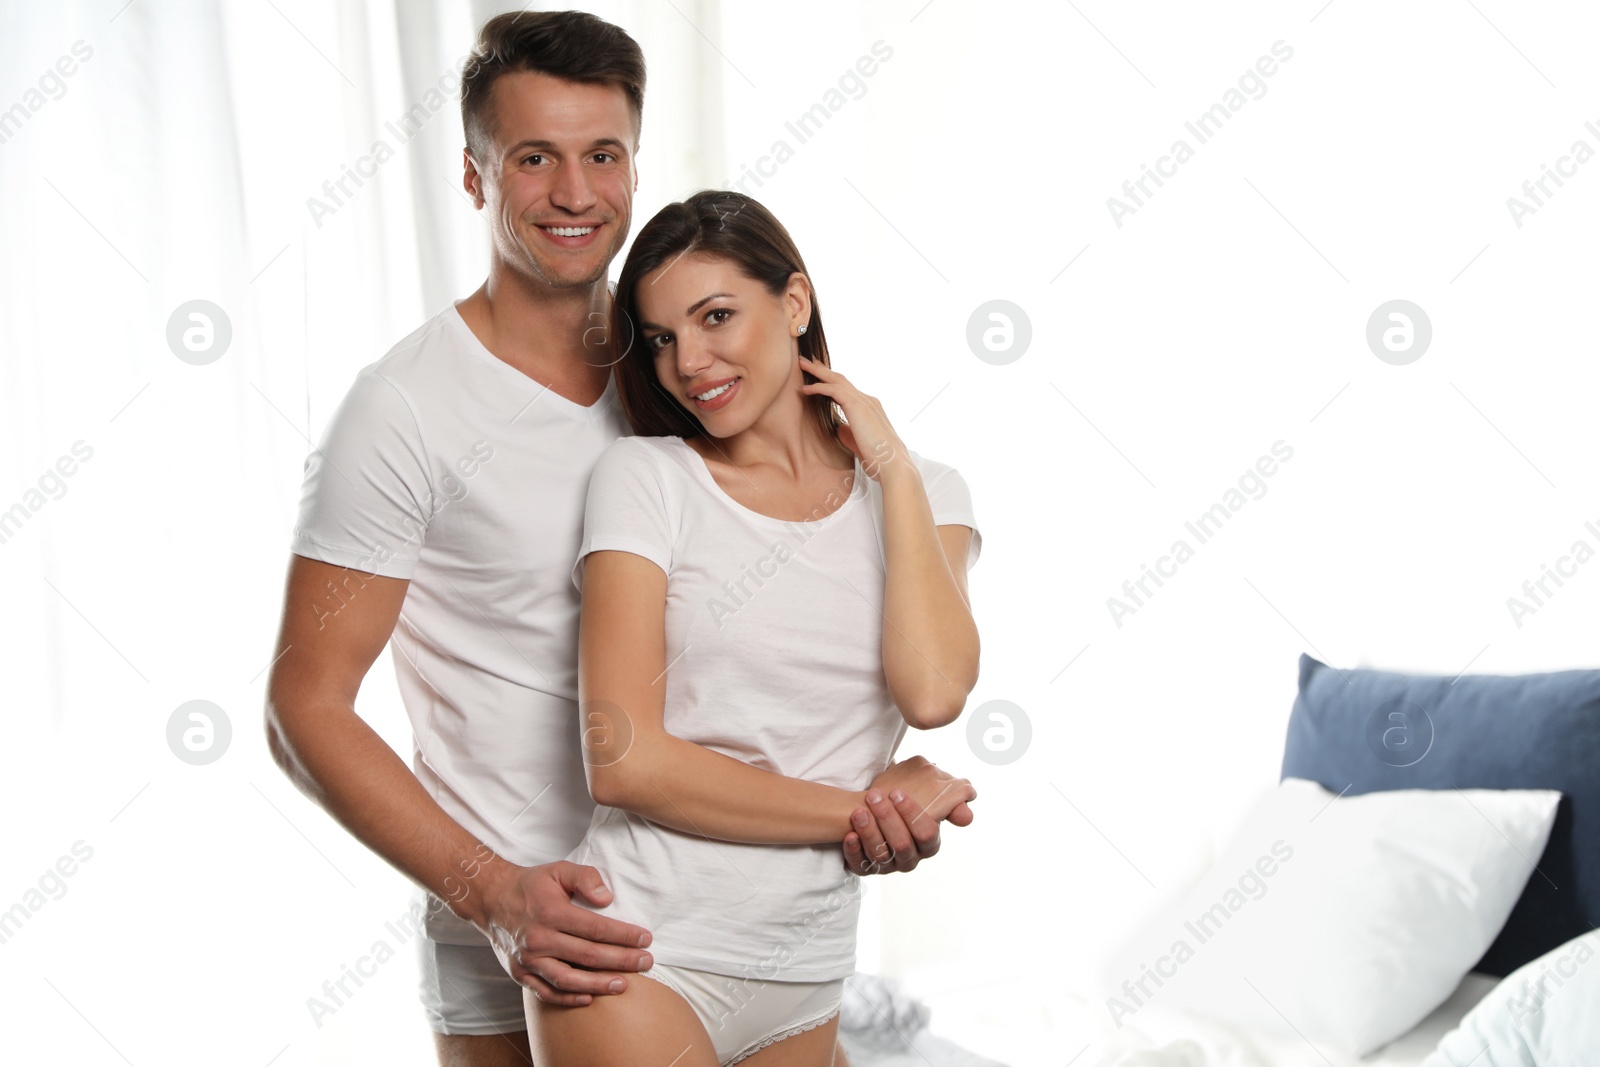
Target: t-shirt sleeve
627, 508
951, 501
367, 495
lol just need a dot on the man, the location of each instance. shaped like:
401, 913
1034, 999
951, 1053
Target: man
443, 514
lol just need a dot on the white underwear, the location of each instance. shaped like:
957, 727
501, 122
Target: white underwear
745, 1015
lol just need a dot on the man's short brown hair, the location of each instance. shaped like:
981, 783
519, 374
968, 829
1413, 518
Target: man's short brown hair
573, 45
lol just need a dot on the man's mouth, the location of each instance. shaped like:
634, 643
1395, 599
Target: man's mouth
569, 231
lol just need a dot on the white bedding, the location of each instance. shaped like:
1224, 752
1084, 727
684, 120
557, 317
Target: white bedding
1017, 1024
1178, 1041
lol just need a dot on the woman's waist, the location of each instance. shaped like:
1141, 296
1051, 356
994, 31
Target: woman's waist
650, 865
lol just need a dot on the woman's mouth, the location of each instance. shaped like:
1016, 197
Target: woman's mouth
718, 396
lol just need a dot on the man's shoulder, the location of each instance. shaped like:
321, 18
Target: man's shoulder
420, 367
417, 355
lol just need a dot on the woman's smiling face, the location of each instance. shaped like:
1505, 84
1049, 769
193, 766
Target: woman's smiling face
723, 346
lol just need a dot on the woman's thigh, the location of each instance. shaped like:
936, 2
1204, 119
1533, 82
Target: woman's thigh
809, 1048
647, 1023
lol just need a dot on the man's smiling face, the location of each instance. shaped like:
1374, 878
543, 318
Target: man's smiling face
560, 176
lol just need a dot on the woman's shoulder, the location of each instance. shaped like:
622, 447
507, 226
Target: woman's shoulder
951, 500
639, 459
947, 490
933, 471
638, 449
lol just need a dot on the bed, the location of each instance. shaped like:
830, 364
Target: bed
1074, 1030
1442, 909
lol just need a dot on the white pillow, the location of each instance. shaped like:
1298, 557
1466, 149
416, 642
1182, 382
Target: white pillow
1545, 1014
1341, 920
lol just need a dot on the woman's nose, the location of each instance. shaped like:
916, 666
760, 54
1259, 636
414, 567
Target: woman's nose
693, 356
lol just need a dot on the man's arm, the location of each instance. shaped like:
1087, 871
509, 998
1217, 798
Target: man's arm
633, 763
335, 622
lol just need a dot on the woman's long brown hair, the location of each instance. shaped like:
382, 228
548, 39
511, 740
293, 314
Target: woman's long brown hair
714, 223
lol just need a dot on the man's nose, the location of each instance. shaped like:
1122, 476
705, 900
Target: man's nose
572, 190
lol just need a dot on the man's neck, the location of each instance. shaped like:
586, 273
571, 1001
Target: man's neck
542, 332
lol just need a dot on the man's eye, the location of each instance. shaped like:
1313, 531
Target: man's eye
536, 155
604, 157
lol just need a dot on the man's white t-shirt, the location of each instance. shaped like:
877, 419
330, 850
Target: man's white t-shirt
774, 646
447, 466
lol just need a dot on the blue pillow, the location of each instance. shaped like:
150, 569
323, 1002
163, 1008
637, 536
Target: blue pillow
1362, 731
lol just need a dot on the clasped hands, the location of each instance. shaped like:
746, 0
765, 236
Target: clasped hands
899, 827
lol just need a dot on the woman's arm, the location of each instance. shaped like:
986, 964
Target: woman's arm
930, 641
633, 763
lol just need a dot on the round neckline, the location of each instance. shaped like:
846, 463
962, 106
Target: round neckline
606, 399
697, 464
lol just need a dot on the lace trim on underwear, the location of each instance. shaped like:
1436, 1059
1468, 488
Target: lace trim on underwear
812, 1025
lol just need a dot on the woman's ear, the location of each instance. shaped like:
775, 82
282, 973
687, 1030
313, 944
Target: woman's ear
797, 301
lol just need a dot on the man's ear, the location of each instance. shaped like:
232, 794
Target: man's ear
471, 180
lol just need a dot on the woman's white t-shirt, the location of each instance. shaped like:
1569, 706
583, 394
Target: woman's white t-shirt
774, 638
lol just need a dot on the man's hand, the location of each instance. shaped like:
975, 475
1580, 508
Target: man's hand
549, 944
893, 833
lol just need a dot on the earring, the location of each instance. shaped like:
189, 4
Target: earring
802, 330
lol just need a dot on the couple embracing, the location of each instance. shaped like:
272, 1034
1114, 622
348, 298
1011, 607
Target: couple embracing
659, 615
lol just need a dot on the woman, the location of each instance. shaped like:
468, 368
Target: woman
770, 597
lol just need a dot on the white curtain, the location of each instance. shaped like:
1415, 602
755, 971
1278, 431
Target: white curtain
153, 154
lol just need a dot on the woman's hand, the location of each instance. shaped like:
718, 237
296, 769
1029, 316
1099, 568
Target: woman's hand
895, 835
867, 432
937, 791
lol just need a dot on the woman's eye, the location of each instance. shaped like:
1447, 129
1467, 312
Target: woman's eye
711, 316
658, 342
